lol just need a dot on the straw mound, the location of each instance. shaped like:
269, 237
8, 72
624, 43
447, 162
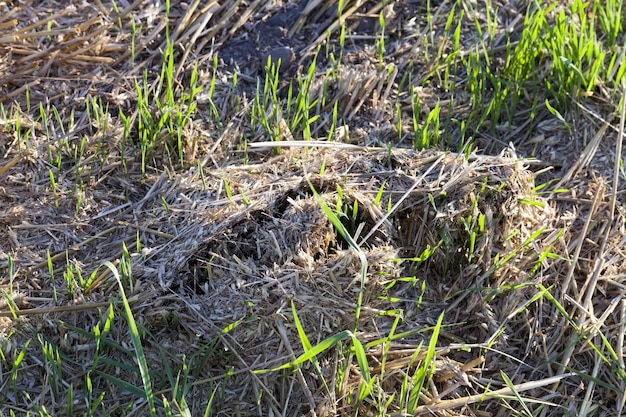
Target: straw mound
282, 248
210, 260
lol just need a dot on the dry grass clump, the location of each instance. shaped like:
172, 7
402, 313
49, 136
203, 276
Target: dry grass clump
150, 148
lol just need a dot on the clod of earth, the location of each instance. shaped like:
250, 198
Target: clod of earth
283, 54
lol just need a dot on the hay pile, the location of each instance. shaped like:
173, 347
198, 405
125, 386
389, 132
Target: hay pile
208, 261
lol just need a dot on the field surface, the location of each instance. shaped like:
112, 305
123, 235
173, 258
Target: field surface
312, 208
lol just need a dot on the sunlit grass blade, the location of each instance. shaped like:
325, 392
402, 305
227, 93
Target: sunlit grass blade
311, 353
134, 332
426, 368
366, 385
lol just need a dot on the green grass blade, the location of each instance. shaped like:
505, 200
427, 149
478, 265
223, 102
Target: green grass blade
425, 369
361, 359
301, 334
134, 332
312, 353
